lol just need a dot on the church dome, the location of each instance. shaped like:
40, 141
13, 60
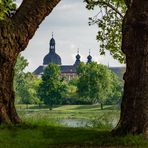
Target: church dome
78, 57
77, 62
89, 58
52, 58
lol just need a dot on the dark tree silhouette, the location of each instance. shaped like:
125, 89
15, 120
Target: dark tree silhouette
15, 33
134, 108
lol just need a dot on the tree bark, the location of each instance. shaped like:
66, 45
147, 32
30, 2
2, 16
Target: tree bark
134, 107
15, 34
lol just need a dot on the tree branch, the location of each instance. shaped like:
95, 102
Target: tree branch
107, 4
29, 16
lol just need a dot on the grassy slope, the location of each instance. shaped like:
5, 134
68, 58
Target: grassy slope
38, 133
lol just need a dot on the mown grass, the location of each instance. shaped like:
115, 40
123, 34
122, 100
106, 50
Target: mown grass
40, 129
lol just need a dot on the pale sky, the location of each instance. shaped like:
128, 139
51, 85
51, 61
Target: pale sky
69, 22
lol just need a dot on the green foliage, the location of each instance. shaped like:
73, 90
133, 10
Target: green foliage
97, 83
52, 87
109, 21
72, 88
6, 8
116, 90
25, 84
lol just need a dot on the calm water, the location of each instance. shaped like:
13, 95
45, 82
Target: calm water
83, 123
75, 123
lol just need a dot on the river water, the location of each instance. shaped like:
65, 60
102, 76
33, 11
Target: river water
83, 123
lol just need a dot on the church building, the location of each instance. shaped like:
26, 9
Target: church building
67, 71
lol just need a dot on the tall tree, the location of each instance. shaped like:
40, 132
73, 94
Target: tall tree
134, 108
25, 83
52, 87
19, 78
96, 82
15, 33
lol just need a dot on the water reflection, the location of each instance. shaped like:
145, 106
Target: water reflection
87, 123
75, 123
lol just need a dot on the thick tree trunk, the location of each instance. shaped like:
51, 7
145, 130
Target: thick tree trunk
7, 109
134, 107
15, 34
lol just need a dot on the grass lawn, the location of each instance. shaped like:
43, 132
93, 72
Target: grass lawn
41, 131
69, 111
28, 136
92, 114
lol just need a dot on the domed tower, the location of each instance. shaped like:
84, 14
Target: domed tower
52, 57
52, 45
89, 58
78, 57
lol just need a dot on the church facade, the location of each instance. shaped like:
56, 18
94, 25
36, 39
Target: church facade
67, 71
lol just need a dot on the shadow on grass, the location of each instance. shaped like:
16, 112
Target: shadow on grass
28, 136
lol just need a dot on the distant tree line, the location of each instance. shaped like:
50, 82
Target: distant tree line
94, 83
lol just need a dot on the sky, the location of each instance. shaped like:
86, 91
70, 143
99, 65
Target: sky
69, 24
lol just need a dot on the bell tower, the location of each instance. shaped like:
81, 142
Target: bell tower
52, 45
78, 57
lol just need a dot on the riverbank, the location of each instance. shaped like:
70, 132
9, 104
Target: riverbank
72, 116
43, 128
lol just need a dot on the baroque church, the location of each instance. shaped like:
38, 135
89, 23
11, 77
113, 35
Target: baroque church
67, 71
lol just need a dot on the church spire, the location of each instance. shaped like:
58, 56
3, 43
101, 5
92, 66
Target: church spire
78, 51
77, 62
89, 58
52, 45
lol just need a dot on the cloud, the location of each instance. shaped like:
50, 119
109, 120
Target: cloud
69, 22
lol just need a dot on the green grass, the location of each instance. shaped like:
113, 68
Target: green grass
41, 129
70, 111
90, 113
33, 136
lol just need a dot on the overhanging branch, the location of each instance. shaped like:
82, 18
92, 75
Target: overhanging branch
101, 2
112, 7
29, 16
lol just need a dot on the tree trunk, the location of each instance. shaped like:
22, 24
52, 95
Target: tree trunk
134, 107
7, 109
15, 34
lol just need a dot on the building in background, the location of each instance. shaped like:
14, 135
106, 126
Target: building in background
67, 71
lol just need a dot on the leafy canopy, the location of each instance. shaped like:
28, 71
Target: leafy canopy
109, 21
6, 8
96, 82
25, 84
52, 87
